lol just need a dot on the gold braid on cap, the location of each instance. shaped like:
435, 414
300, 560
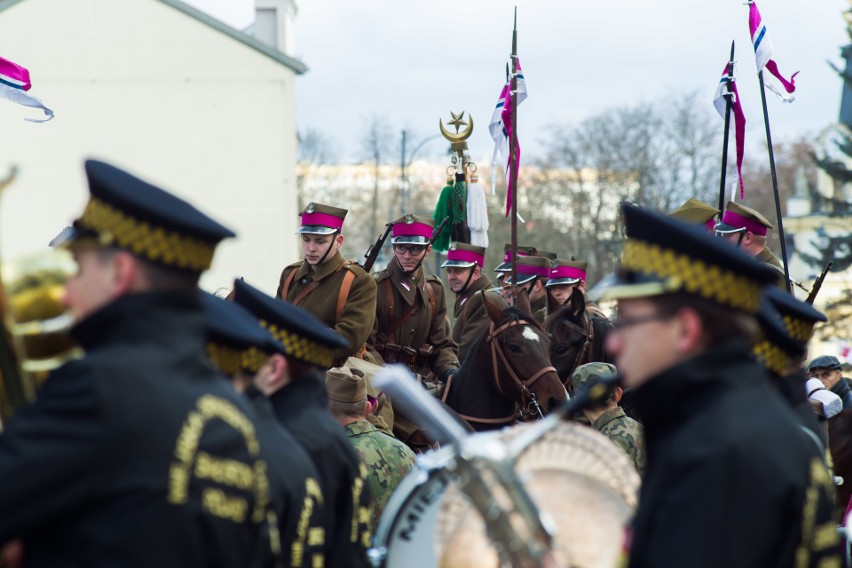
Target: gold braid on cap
799, 330
771, 356
698, 277
231, 361
139, 237
302, 348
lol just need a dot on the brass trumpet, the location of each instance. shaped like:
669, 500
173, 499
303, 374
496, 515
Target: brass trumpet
33, 324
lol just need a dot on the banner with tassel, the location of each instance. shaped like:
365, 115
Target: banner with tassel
454, 199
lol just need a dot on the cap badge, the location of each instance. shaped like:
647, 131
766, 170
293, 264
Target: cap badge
409, 218
310, 208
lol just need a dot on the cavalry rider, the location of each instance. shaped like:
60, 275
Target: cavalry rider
411, 325
697, 212
335, 290
532, 273
464, 266
746, 228
687, 306
565, 275
506, 266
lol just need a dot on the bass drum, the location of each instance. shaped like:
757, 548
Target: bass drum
405, 536
578, 477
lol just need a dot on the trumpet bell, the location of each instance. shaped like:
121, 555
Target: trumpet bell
35, 325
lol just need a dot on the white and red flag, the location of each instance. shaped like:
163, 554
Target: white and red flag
501, 128
14, 84
720, 103
763, 51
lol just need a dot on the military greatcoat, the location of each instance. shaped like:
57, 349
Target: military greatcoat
319, 292
121, 459
387, 459
302, 407
411, 313
471, 318
730, 480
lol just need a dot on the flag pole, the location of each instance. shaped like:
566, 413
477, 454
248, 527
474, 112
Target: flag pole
513, 148
775, 185
728, 101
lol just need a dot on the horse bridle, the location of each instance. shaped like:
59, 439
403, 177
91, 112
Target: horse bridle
529, 406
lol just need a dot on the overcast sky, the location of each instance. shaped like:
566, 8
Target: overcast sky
414, 61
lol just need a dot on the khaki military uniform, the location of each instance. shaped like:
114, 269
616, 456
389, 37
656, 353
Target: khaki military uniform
767, 257
625, 432
411, 325
387, 459
323, 292
539, 310
471, 318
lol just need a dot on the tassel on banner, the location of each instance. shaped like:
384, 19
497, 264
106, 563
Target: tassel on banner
477, 213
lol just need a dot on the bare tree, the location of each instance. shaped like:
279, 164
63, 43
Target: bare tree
315, 149
375, 147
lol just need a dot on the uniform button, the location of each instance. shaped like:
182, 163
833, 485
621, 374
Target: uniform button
304, 280
412, 332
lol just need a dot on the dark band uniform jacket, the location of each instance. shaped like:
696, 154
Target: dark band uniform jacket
239, 347
337, 291
105, 468
718, 409
302, 408
124, 459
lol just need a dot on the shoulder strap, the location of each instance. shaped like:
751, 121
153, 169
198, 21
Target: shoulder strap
285, 283
464, 310
432, 301
345, 286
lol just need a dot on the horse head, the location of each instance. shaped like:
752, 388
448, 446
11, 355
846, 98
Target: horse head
571, 335
520, 358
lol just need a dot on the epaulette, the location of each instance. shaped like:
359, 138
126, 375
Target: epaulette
295, 265
382, 275
356, 269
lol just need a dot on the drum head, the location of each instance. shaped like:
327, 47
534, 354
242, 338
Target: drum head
580, 478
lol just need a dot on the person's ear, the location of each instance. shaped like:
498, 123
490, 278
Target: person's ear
339, 240
428, 251
274, 374
689, 330
124, 272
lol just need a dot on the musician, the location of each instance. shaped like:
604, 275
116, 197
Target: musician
101, 469
295, 386
729, 472
565, 275
532, 273
464, 267
747, 229
827, 369
698, 212
335, 290
387, 459
607, 417
240, 347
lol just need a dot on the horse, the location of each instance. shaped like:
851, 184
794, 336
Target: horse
577, 336
507, 375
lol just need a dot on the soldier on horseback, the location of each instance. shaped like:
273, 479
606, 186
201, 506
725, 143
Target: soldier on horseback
533, 272
410, 325
464, 266
564, 277
335, 290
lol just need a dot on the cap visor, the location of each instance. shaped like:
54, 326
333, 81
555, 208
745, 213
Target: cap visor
457, 264
522, 279
315, 230
725, 229
413, 240
503, 267
561, 281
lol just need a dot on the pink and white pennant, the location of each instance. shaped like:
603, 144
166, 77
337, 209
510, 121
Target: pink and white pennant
763, 51
739, 117
14, 84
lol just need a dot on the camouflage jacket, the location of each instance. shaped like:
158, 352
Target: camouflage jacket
387, 459
539, 309
625, 432
471, 318
359, 309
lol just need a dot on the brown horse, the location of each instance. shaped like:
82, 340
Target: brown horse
577, 334
507, 375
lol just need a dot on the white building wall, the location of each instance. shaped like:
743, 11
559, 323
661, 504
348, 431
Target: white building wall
149, 88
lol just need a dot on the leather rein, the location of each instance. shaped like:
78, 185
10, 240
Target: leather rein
529, 407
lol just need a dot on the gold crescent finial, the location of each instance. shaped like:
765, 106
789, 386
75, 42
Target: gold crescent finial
460, 136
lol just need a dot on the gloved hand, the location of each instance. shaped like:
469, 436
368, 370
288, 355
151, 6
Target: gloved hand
451, 372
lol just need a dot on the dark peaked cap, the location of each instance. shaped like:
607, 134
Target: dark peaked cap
125, 212
787, 326
302, 335
663, 255
235, 340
